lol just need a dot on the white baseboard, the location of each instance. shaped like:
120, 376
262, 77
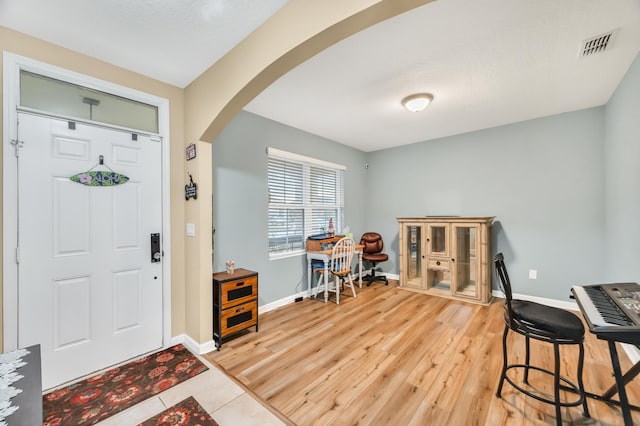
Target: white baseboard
192, 345
282, 302
178, 339
632, 352
564, 304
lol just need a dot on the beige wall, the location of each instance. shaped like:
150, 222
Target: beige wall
23, 45
298, 31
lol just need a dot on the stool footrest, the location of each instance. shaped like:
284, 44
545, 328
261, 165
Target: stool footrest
569, 386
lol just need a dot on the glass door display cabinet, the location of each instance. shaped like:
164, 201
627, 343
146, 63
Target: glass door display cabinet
447, 256
465, 265
414, 259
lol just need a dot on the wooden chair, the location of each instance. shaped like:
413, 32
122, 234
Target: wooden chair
546, 324
340, 267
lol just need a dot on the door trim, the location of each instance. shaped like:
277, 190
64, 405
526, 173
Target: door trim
12, 64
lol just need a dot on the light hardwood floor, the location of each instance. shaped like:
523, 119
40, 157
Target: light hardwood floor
392, 357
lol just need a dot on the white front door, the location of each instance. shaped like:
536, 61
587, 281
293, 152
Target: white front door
88, 292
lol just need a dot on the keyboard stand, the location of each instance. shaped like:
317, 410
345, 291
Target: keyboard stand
611, 335
620, 384
626, 378
618, 387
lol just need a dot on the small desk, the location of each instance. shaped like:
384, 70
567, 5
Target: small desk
325, 256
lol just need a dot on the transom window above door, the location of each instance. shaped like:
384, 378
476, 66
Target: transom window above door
59, 97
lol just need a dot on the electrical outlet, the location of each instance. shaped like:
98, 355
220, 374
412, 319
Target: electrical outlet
533, 274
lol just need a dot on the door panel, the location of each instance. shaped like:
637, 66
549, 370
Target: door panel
127, 306
126, 217
71, 213
71, 312
87, 291
123, 155
70, 148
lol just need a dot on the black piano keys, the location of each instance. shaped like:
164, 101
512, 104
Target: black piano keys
607, 308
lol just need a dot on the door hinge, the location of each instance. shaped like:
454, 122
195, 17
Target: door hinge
17, 144
17, 254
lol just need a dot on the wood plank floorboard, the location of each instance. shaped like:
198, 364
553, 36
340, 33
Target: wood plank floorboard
393, 357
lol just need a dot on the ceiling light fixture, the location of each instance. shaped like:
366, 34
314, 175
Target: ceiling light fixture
417, 102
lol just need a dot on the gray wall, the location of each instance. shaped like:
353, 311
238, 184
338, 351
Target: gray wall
240, 201
622, 179
543, 179
564, 190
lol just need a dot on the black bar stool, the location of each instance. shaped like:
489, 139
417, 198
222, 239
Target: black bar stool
546, 324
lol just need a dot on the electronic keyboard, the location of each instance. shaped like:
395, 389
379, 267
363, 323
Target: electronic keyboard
612, 311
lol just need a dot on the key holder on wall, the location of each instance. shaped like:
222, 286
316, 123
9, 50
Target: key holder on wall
191, 189
99, 177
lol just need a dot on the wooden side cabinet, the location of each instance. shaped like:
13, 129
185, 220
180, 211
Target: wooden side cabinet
235, 303
446, 256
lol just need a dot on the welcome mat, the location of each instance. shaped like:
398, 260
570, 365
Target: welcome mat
101, 396
185, 413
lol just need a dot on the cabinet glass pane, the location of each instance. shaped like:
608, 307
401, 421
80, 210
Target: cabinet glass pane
414, 255
438, 239
466, 261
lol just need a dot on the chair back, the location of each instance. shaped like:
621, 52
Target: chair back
372, 242
342, 255
505, 286
503, 276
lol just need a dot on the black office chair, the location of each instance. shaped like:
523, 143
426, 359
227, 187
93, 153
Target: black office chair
372, 252
546, 324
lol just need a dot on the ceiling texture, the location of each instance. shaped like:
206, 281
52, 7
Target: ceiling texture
487, 63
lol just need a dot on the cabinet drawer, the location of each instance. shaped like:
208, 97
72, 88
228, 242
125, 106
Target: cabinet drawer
238, 318
438, 264
239, 291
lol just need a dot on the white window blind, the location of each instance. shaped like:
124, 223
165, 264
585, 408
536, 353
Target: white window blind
304, 194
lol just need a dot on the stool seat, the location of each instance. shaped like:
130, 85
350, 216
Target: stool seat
558, 323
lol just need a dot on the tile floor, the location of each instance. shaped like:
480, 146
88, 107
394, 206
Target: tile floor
220, 396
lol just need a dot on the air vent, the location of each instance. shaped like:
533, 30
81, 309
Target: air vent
596, 44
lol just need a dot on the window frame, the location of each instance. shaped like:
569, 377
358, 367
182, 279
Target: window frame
307, 206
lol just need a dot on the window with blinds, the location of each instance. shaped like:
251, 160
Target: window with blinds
304, 194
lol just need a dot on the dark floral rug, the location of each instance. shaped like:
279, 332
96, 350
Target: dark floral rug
101, 396
185, 413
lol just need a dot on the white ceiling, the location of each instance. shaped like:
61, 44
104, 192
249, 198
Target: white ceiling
488, 63
170, 40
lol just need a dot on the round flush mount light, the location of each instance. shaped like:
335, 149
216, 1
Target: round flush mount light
417, 102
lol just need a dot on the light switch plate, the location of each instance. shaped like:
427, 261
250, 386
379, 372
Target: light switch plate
191, 230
